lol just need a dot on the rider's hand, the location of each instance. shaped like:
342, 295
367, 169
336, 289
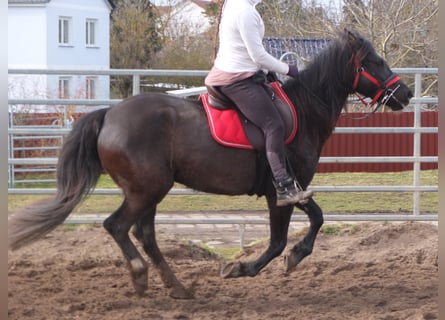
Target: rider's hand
293, 71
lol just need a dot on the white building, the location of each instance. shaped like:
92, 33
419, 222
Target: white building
59, 34
184, 17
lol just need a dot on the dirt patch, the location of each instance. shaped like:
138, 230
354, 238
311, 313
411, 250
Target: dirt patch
364, 271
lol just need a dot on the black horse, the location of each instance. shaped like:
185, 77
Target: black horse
149, 141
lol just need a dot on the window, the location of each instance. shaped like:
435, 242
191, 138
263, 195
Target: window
64, 87
90, 87
64, 30
90, 28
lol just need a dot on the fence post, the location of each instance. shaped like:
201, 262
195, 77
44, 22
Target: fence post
11, 174
416, 143
136, 84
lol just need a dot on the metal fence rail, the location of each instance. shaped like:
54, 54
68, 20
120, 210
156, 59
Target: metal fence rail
416, 188
240, 223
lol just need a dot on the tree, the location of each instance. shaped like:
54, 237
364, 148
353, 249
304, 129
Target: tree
212, 11
405, 32
134, 39
295, 19
187, 43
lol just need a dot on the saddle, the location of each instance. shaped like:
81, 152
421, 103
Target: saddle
230, 128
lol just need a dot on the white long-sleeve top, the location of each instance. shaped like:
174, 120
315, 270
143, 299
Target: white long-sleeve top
240, 40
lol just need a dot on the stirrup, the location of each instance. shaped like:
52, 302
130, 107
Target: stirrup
290, 192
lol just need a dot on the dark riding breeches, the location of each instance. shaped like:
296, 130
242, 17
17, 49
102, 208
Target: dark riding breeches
255, 103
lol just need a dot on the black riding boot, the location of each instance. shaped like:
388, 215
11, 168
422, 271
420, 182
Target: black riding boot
289, 192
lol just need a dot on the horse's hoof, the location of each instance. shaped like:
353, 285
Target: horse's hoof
140, 288
289, 262
181, 293
231, 270
139, 276
140, 283
294, 257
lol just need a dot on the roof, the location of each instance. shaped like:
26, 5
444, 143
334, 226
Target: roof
45, 1
304, 48
27, 1
202, 3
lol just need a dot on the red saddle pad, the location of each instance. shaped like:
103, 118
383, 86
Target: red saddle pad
226, 127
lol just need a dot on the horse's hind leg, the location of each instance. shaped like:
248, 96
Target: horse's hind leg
118, 225
305, 246
144, 231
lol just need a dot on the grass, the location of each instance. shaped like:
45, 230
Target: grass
234, 252
333, 229
330, 202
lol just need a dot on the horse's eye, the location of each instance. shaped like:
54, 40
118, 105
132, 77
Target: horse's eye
377, 63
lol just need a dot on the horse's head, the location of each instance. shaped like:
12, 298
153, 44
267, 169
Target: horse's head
373, 77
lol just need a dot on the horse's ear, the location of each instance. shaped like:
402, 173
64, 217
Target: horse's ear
354, 39
351, 37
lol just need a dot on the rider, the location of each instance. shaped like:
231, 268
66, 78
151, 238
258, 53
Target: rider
240, 56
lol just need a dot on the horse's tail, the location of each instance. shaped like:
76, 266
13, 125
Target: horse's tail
78, 170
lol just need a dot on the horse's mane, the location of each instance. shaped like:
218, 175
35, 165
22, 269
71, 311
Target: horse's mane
323, 86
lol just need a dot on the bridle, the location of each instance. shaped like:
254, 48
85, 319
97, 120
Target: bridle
382, 87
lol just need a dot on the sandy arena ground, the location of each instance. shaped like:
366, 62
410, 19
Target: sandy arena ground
366, 271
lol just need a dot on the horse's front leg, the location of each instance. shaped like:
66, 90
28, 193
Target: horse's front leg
305, 246
279, 226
